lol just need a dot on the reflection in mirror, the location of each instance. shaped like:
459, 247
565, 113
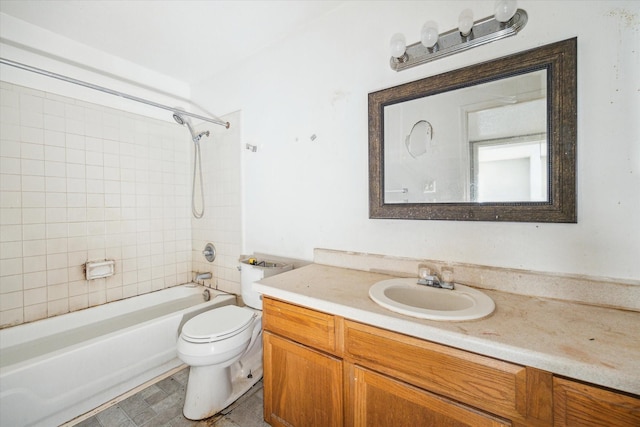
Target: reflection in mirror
504, 149
491, 144
418, 139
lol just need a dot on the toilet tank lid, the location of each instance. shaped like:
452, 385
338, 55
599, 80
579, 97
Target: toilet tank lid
218, 323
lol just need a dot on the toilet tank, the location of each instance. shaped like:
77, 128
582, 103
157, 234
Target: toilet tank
250, 273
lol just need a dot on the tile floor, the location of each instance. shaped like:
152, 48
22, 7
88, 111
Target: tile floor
160, 405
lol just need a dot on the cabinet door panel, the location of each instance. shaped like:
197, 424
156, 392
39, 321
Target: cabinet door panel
577, 404
302, 387
382, 401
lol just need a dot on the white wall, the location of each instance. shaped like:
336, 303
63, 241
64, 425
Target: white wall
301, 194
34, 46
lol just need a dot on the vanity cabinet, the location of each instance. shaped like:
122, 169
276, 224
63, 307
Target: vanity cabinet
322, 370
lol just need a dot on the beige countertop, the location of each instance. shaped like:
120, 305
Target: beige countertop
587, 343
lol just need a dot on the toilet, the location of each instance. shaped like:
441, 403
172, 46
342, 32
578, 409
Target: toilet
223, 346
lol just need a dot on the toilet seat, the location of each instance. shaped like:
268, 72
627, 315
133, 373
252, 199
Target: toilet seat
217, 324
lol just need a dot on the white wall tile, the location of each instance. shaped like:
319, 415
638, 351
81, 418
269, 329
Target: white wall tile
32, 167
55, 184
34, 247
11, 283
35, 312
33, 183
31, 135
9, 164
54, 137
33, 264
33, 215
10, 233
53, 123
34, 231
31, 119
10, 199
56, 246
10, 250
56, 215
36, 279
35, 296
57, 307
9, 144
80, 182
55, 169
32, 151
10, 266
10, 182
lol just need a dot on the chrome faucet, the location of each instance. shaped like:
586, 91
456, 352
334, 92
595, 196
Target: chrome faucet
202, 276
434, 281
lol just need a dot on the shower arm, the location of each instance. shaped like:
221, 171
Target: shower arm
15, 64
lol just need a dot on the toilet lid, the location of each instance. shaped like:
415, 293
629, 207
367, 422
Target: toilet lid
217, 324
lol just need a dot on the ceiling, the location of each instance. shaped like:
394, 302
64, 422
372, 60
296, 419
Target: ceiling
189, 40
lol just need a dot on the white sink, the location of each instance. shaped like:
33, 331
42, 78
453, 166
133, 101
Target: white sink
405, 296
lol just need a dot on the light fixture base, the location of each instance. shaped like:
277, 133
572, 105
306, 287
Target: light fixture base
483, 31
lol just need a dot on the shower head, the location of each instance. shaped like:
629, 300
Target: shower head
178, 118
182, 121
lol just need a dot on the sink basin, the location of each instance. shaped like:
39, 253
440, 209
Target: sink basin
405, 296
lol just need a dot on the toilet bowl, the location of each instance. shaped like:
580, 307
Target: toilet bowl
210, 343
223, 348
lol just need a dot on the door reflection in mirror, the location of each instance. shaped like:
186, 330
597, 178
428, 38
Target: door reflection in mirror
509, 163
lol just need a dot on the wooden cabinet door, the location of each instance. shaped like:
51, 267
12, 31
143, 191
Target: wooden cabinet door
302, 387
381, 401
577, 404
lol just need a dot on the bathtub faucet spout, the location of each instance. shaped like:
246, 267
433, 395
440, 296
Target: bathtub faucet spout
202, 276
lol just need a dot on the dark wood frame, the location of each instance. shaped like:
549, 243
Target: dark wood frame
560, 61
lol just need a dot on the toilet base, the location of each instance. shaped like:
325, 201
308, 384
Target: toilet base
204, 401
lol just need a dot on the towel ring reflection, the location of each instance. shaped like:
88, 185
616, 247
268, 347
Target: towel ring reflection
418, 139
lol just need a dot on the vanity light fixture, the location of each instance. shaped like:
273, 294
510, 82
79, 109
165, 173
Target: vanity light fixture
507, 21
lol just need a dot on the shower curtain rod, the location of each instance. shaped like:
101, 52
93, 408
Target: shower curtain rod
215, 120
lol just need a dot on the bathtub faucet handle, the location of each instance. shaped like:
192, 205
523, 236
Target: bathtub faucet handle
209, 252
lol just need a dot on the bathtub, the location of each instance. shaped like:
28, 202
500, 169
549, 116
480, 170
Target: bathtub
56, 369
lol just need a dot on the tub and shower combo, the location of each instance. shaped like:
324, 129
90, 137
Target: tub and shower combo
56, 369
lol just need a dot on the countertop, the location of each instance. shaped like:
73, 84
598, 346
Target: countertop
588, 343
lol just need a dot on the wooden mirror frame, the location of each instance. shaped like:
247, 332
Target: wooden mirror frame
560, 61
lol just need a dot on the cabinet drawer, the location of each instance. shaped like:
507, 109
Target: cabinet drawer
492, 385
309, 327
577, 404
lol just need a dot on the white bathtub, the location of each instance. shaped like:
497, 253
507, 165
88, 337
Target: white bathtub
56, 369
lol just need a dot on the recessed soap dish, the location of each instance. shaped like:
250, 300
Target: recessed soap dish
99, 269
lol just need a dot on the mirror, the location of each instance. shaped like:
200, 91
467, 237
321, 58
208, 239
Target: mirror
491, 142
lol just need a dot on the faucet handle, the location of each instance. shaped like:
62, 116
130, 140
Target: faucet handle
447, 278
423, 271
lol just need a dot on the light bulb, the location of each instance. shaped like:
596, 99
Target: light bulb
398, 45
429, 34
505, 9
465, 22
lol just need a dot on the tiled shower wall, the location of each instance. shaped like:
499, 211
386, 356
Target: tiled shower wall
221, 223
83, 182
